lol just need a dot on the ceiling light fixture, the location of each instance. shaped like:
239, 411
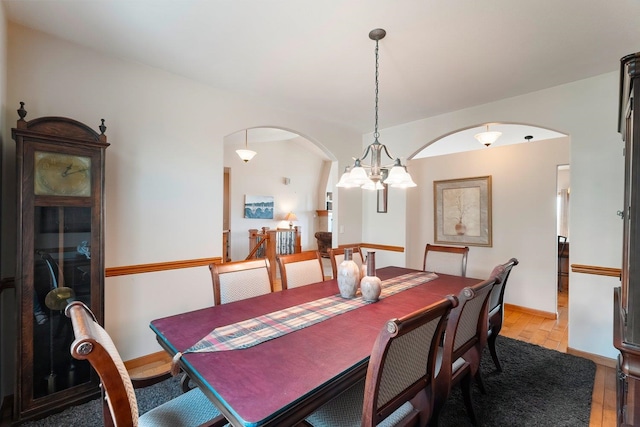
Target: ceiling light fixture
394, 174
246, 154
488, 138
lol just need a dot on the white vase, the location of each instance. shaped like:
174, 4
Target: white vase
371, 285
348, 276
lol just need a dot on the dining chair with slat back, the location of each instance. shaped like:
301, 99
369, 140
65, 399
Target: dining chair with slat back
300, 269
120, 407
446, 259
234, 281
464, 340
337, 256
496, 307
398, 386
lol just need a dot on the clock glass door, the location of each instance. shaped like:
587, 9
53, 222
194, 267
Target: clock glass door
62, 258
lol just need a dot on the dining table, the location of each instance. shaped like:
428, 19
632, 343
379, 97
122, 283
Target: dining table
280, 381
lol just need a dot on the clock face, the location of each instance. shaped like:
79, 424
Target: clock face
62, 175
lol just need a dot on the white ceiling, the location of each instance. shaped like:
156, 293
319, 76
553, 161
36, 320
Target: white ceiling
316, 56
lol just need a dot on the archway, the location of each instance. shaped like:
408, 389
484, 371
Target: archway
524, 175
290, 169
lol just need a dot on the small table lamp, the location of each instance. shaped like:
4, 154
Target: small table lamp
290, 217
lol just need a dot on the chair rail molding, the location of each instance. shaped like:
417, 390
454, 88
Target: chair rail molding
593, 269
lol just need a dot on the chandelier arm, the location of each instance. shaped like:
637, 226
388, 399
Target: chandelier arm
386, 151
365, 153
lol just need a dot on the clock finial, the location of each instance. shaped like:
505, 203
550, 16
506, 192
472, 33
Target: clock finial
102, 127
21, 111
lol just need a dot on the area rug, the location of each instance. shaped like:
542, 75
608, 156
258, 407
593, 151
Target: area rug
538, 387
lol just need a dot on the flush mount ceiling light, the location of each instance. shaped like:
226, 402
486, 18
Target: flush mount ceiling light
371, 176
488, 138
246, 154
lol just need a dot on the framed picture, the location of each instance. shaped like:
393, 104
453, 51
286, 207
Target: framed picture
462, 211
382, 199
260, 207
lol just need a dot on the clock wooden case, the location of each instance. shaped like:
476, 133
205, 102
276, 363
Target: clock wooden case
60, 230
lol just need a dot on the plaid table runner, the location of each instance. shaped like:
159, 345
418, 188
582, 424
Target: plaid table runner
251, 332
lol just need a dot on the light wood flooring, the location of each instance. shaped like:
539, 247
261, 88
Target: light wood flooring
534, 329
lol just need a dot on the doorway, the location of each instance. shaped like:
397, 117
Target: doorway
562, 226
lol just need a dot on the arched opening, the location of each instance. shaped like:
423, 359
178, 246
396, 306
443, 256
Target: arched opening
524, 177
290, 170
464, 139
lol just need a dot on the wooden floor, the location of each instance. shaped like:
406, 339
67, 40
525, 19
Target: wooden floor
553, 334
534, 329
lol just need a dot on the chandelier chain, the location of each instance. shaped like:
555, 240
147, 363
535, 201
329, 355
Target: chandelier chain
375, 133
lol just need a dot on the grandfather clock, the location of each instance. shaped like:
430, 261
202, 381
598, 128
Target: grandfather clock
60, 227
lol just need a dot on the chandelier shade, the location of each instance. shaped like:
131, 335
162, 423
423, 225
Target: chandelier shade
246, 154
372, 175
487, 138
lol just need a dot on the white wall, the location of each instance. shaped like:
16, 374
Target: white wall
164, 175
164, 168
264, 176
523, 178
586, 110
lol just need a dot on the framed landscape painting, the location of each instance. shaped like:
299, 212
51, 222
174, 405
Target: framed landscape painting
260, 207
463, 211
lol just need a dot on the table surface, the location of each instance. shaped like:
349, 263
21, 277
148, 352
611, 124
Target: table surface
281, 381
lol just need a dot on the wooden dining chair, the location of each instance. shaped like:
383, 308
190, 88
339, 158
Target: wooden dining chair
398, 386
120, 407
496, 307
337, 256
446, 259
464, 340
303, 268
234, 281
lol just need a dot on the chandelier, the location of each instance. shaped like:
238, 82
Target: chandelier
246, 154
371, 175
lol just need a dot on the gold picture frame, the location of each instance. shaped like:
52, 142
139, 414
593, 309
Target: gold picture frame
462, 211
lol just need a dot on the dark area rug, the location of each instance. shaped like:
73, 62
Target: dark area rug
538, 387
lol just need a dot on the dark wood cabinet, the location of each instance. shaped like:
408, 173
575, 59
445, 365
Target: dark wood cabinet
60, 227
627, 296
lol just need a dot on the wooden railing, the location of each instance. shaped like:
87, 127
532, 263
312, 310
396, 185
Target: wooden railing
268, 243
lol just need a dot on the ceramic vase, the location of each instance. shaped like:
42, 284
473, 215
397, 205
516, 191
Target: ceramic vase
370, 285
348, 275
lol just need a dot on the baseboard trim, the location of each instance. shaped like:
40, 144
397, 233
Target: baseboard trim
545, 314
600, 360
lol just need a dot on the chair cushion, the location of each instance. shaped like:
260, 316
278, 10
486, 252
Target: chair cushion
189, 409
345, 410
